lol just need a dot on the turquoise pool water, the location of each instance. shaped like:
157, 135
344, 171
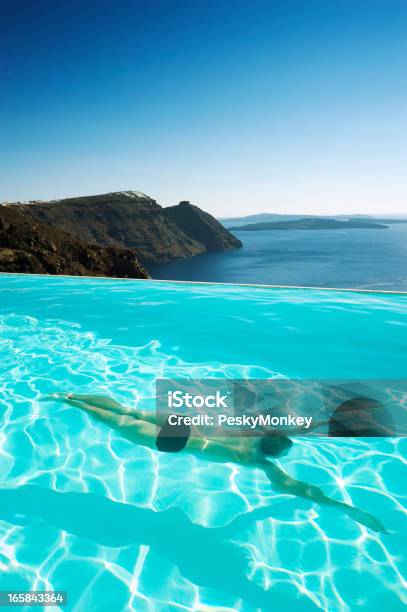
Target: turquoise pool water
124, 528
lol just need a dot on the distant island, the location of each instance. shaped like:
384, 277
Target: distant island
238, 222
309, 223
113, 234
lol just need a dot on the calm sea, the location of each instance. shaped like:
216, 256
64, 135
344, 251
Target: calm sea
365, 258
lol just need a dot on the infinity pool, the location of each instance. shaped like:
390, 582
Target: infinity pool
121, 527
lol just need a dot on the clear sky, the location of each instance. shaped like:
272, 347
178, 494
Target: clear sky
239, 106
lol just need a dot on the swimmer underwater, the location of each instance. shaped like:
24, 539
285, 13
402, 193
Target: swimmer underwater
140, 427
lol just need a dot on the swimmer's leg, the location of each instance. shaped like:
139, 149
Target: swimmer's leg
108, 417
99, 401
136, 431
133, 429
107, 403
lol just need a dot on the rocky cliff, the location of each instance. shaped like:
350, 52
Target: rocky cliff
132, 219
29, 246
202, 227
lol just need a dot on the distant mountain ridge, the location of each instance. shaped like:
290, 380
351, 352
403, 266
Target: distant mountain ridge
134, 220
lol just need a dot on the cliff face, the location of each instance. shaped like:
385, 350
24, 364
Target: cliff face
202, 227
132, 219
31, 247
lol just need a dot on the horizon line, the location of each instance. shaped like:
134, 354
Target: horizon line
248, 214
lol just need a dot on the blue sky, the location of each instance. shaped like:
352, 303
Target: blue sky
238, 106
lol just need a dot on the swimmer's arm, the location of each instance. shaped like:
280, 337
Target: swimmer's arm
284, 483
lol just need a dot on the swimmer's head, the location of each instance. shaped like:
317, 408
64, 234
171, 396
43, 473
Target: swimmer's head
361, 417
275, 446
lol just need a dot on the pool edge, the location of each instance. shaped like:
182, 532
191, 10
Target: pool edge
185, 282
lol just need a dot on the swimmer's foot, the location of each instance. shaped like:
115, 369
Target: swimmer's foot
56, 397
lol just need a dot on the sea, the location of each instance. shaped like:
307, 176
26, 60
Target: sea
353, 258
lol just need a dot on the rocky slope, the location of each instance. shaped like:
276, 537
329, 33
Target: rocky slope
132, 219
29, 246
202, 227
